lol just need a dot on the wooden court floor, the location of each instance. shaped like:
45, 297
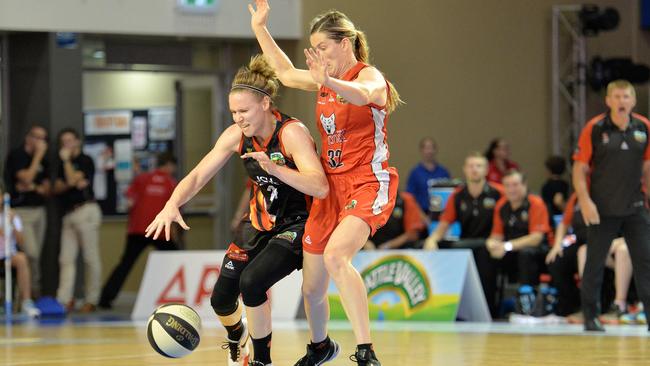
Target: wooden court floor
401, 345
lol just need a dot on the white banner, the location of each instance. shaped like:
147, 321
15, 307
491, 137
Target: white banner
107, 123
188, 277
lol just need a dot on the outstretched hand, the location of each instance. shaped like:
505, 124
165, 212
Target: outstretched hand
317, 66
262, 159
163, 221
259, 13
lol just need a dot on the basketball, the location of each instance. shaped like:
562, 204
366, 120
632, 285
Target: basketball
174, 330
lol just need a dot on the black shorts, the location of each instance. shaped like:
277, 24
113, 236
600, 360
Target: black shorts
252, 242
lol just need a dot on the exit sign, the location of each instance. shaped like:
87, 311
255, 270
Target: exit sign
198, 6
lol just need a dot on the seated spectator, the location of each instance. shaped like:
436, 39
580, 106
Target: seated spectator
74, 186
519, 229
403, 227
567, 257
555, 190
472, 205
19, 260
498, 155
426, 174
147, 196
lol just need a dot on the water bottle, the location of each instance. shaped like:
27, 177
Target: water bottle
525, 300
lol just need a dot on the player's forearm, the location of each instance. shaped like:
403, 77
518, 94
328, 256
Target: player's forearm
353, 92
580, 181
530, 240
278, 60
560, 232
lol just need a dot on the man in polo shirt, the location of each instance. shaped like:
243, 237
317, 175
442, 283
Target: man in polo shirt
519, 228
28, 183
426, 175
611, 162
472, 205
147, 195
81, 221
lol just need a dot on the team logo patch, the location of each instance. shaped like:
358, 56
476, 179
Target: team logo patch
249, 150
329, 123
640, 136
308, 239
398, 212
289, 236
278, 158
489, 203
351, 205
463, 206
524, 216
340, 99
605, 138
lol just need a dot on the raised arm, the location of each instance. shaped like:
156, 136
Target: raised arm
309, 178
225, 146
287, 73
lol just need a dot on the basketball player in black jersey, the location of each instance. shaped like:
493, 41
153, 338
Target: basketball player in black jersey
280, 157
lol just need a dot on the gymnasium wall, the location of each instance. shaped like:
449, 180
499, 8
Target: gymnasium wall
469, 71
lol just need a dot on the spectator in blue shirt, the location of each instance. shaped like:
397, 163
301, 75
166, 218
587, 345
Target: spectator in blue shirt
426, 174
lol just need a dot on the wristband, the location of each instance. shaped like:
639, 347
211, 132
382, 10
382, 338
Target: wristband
507, 246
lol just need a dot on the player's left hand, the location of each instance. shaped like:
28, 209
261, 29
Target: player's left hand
317, 66
262, 159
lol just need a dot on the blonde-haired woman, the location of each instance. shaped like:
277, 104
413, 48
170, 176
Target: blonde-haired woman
280, 158
353, 103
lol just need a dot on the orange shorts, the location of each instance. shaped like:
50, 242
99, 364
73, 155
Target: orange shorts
366, 195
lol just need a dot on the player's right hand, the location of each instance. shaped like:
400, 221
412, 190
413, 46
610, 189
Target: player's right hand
556, 251
259, 13
163, 221
431, 243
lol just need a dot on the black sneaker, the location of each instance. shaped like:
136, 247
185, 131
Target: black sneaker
365, 357
316, 357
593, 325
258, 363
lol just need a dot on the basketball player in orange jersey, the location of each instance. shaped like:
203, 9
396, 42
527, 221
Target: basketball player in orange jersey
353, 102
280, 158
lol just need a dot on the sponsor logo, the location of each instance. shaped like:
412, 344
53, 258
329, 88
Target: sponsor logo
340, 99
398, 212
328, 123
605, 138
640, 136
230, 266
182, 332
249, 150
399, 274
277, 158
351, 205
262, 179
289, 236
308, 239
624, 146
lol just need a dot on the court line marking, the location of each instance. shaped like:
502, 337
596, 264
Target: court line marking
106, 358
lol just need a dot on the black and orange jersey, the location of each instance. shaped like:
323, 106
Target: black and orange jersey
473, 213
530, 217
616, 160
272, 200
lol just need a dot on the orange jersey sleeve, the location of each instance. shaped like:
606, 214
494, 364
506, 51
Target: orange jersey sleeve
569, 210
449, 214
646, 153
584, 150
412, 213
